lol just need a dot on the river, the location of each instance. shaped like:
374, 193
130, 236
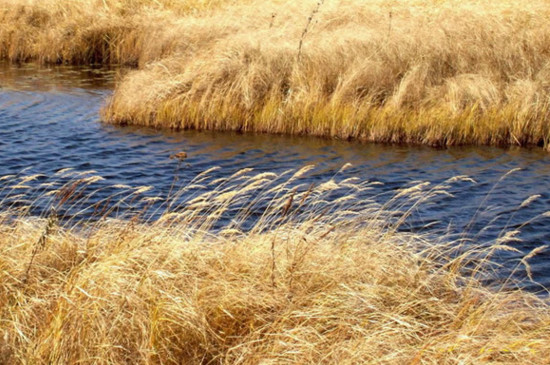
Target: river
49, 121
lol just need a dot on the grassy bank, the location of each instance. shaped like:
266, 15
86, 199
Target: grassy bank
433, 72
306, 284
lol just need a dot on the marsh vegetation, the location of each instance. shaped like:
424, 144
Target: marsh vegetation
314, 280
253, 267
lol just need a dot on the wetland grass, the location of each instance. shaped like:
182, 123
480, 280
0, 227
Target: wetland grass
440, 73
315, 280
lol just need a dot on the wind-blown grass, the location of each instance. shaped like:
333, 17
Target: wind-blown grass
317, 279
433, 72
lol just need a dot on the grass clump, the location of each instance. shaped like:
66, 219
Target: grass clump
121, 32
305, 284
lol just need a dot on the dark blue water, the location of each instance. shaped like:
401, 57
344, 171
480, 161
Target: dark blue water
49, 120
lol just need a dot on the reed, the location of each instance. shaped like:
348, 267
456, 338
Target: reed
422, 71
317, 279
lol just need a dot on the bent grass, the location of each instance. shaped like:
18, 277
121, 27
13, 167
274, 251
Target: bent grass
340, 284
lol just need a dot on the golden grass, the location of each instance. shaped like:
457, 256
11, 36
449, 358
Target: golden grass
449, 73
443, 72
124, 32
306, 284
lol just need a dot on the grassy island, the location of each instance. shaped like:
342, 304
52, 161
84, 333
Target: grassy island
439, 72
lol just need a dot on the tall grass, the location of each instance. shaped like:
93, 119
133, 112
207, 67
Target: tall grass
420, 71
442, 73
123, 32
319, 278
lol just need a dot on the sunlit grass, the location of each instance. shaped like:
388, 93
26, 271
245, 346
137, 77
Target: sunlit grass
320, 277
123, 32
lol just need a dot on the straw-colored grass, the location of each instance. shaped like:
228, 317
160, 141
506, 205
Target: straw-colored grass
438, 73
306, 284
122, 32
441, 72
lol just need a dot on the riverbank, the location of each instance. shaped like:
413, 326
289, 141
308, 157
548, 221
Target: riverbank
310, 282
438, 73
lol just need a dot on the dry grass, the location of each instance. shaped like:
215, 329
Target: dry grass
124, 32
306, 284
441, 72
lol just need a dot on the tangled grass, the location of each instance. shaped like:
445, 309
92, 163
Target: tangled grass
316, 279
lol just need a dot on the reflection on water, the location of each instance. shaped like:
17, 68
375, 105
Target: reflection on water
30, 77
49, 120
